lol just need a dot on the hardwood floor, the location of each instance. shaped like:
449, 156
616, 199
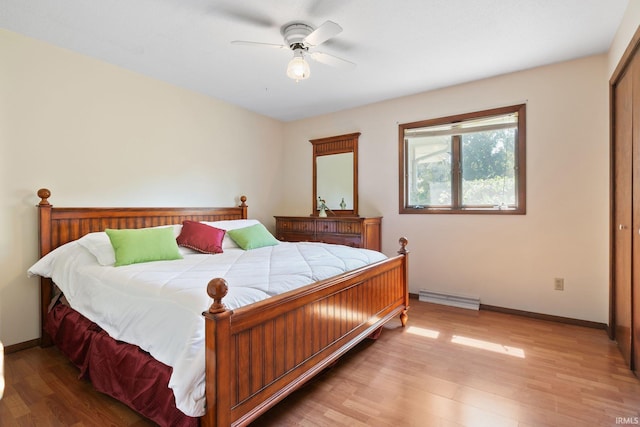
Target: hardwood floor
450, 367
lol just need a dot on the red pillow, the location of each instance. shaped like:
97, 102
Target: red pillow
201, 237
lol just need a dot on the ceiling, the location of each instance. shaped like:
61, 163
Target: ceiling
400, 47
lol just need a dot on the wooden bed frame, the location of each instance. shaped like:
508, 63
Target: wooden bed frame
260, 353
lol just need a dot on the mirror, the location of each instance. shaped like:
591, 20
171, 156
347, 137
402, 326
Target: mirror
335, 174
335, 180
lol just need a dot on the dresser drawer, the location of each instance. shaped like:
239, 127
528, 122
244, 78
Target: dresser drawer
290, 225
341, 239
338, 227
286, 236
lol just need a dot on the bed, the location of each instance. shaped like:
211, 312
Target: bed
255, 355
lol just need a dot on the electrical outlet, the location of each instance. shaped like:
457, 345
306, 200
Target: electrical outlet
558, 284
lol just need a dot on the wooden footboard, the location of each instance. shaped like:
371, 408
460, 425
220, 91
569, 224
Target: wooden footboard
265, 351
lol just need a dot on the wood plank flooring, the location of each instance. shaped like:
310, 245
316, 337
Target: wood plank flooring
449, 367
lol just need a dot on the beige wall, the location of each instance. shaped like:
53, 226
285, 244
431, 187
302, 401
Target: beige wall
506, 261
98, 135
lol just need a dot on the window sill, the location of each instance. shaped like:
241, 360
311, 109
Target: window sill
467, 211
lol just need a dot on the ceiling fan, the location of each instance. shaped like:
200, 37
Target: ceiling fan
302, 40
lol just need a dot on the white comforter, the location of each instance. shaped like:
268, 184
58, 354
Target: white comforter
158, 305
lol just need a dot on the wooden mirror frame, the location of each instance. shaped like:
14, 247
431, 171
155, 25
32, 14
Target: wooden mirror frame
336, 145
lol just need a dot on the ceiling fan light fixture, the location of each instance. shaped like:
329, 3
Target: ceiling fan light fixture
303, 39
298, 69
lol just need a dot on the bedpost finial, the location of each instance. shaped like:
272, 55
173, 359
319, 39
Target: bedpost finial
217, 288
403, 245
243, 200
44, 194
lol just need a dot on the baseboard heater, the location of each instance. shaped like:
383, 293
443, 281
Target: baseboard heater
462, 301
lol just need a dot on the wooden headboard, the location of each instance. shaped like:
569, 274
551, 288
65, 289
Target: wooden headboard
58, 226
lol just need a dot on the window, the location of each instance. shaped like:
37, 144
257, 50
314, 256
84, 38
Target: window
469, 163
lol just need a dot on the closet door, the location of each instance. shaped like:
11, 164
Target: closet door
635, 233
622, 212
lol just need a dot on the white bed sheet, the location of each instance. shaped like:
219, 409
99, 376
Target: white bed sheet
158, 305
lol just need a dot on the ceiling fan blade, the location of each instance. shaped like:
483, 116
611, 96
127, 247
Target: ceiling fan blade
259, 44
323, 33
331, 60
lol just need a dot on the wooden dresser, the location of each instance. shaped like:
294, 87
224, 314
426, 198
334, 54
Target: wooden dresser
343, 230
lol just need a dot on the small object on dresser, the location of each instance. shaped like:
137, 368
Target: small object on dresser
343, 205
322, 206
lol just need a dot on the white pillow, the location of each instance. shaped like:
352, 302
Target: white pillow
231, 224
99, 245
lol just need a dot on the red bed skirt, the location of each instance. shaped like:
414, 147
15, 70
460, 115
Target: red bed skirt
118, 369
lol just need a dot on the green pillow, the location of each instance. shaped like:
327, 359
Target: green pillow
252, 237
142, 245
